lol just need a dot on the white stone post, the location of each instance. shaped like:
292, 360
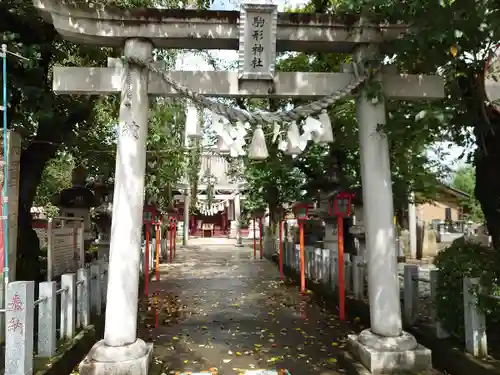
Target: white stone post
95, 288
68, 306
83, 298
317, 255
325, 264
103, 279
474, 319
348, 273
47, 319
358, 277
438, 326
121, 351
378, 214
19, 318
334, 268
410, 299
412, 223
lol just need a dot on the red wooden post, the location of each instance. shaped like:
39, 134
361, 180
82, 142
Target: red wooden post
301, 214
302, 258
260, 237
254, 241
341, 208
174, 221
340, 233
170, 233
157, 254
281, 248
146, 263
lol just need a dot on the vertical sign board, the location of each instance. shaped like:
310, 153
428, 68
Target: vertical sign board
14, 157
64, 254
257, 53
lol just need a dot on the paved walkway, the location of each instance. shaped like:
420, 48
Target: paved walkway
220, 308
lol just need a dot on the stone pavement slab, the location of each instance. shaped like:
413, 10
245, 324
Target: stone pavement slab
217, 309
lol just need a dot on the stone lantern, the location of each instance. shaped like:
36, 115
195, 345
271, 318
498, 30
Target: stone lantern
76, 201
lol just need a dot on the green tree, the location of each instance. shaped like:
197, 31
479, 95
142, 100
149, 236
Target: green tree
464, 180
48, 123
458, 49
166, 159
56, 176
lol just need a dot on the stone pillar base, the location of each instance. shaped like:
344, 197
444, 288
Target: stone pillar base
233, 229
389, 355
123, 360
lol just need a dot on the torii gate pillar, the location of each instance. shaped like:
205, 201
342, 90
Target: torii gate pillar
121, 352
384, 347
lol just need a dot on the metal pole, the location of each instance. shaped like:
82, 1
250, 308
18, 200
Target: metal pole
187, 195
5, 203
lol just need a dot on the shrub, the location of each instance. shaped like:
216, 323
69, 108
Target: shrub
465, 259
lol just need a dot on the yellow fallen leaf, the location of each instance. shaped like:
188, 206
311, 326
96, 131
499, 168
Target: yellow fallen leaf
335, 344
175, 338
453, 50
332, 360
204, 327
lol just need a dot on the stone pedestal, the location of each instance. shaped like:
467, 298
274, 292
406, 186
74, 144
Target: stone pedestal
389, 355
133, 359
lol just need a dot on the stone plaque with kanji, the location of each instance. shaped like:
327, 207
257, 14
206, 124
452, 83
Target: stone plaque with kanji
257, 54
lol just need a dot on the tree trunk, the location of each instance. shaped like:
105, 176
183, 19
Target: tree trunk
51, 134
486, 120
487, 162
32, 164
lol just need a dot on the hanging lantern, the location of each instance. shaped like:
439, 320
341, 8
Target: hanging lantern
341, 204
302, 210
258, 147
192, 121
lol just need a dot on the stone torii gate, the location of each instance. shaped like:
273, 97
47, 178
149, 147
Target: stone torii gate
385, 346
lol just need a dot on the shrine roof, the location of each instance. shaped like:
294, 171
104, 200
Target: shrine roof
81, 22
